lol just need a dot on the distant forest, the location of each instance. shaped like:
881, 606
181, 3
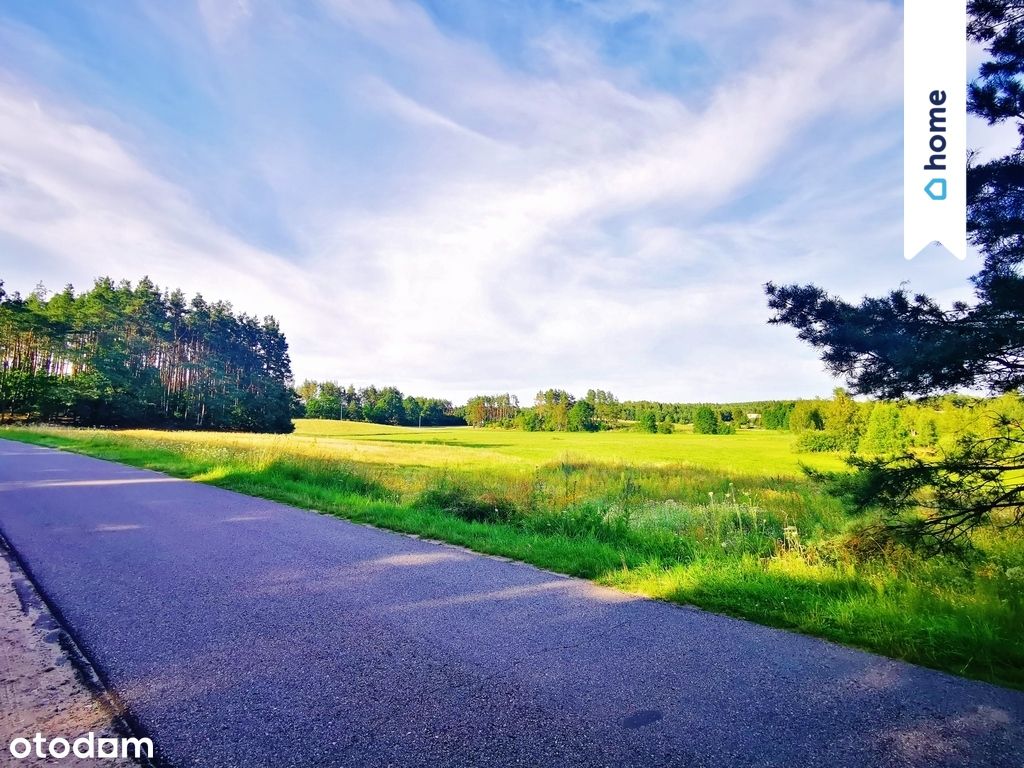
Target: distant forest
135, 356
840, 424
387, 405
124, 355
553, 410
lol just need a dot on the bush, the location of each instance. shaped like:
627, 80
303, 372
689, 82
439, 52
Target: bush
455, 499
825, 441
806, 415
649, 422
776, 416
581, 417
886, 433
529, 421
705, 421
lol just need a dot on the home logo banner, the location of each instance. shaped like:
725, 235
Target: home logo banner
935, 127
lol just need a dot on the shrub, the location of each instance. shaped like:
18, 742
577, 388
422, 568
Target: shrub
455, 499
529, 421
886, 432
581, 417
806, 415
825, 441
705, 421
649, 422
776, 416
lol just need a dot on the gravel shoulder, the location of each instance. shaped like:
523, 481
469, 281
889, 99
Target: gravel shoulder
41, 690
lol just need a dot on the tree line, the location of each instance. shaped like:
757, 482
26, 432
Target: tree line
132, 355
120, 354
892, 427
386, 405
841, 424
556, 410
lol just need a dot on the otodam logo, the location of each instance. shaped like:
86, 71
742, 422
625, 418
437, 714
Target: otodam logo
85, 746
937, 188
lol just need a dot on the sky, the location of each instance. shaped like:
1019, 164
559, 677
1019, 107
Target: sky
472, 196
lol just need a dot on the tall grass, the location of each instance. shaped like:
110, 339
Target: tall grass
753, 543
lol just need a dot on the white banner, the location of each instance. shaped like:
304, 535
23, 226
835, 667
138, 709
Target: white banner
934, 126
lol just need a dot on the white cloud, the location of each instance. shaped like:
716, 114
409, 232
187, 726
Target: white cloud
487, 254
554, 225
75, 194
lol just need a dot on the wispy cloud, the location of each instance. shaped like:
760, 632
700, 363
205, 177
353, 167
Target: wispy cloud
74, 202
456, 210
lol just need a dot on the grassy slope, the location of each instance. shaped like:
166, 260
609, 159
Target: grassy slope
947, 615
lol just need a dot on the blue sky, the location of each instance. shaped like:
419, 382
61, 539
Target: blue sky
460, 196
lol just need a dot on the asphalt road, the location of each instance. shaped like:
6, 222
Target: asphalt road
240, 632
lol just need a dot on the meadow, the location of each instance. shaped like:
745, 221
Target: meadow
725, 522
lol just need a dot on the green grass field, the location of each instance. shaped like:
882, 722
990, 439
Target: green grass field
754, 452
726, 522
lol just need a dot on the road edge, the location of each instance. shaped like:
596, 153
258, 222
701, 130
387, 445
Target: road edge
123, 722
